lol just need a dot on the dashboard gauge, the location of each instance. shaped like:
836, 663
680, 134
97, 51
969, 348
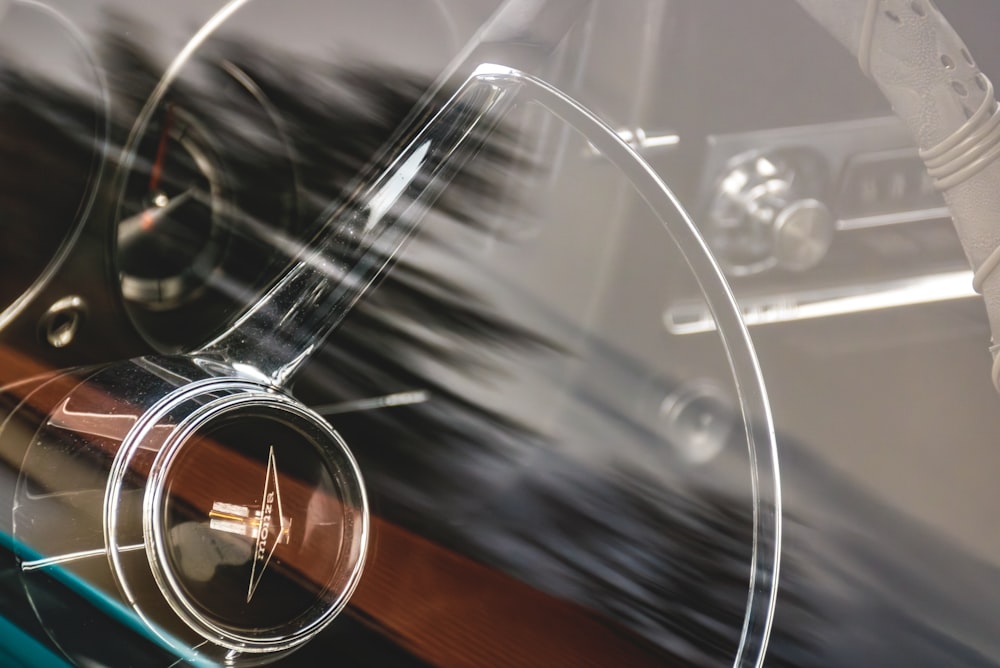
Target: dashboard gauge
209, 183
53, 136
173, 236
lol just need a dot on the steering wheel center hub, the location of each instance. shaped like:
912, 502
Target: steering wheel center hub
256, 522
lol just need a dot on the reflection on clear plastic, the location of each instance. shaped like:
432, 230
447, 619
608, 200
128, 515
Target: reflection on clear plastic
312, 299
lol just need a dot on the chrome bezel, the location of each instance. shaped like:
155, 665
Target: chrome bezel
224, 397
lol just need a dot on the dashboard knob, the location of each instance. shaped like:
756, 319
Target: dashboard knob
764, 214
803, 231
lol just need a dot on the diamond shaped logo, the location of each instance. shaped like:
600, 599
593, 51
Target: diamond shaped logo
270, 526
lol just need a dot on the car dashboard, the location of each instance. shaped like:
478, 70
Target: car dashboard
485, 333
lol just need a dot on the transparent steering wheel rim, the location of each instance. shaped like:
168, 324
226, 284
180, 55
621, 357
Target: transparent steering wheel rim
502, 87
765, 481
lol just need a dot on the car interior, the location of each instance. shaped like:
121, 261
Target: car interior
499, 333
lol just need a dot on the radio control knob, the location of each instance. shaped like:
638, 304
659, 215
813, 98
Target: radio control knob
765, 214
803, 231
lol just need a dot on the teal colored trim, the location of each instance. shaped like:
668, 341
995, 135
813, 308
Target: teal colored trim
111, 607
18, 648
6, 541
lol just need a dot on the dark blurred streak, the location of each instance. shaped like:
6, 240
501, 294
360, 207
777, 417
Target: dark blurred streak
50, 142
338, 118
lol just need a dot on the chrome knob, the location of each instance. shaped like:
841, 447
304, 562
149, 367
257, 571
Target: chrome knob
803, 231
764, 214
